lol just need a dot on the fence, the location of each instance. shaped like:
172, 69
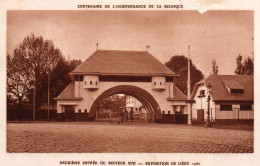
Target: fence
14, 115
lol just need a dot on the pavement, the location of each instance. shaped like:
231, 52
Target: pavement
105, 137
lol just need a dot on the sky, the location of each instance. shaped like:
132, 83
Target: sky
214, 35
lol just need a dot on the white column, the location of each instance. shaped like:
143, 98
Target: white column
171, 89
59, 108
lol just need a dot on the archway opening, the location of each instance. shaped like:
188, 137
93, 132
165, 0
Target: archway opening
122, 108
146, 99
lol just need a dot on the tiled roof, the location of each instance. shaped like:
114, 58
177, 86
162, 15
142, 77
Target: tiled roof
68, 92
232, 84
219, 91
110, 62
177, 94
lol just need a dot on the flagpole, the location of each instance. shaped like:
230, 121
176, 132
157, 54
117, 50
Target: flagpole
48, 96
34, 97
188, 88
147, 47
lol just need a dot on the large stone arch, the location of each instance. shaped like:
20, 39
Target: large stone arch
140, 94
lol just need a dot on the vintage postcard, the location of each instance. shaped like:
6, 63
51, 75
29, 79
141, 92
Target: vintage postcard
168, 82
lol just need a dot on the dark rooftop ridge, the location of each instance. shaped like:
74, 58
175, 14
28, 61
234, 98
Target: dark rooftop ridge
119, 62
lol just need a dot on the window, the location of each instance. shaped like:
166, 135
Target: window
96, 82
160, 83
169, 79
178, 109
85, 110
136, 109
169, 112
246, 107
163, 112
79, 110
85, 82
90, 82
202, 93
226, 108
131, 109
236, 90
78, 78
154, 83
125, 79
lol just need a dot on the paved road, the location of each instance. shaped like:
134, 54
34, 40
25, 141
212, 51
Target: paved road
137, 137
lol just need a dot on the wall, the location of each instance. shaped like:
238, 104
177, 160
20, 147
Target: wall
201, 103
133, 103
234, 113
91, 81
158, 83
60, 104
89, 96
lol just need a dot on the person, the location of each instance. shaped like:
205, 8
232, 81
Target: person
126, 115
121, 117
131, 115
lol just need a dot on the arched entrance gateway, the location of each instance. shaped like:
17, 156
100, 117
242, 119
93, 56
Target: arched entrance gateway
134, 73
147, 100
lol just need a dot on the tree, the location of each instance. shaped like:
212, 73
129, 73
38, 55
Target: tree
18, 79
36, 57
246, 67
214, 67
239, 68
114, 102
60, 78
179, 65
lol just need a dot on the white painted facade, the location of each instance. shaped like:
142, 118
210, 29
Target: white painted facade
132, 102
201, 103
89, 93
134, 105
158, 83
215, 111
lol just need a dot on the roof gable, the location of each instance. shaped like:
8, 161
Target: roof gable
68, 92
232, 84
178, 94
109, 62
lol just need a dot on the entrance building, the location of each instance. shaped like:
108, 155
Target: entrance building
133, 73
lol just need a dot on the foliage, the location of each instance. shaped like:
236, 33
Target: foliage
18, 79
246, 67
38, 57
239, 68
32, 61
60, 78
114, 102
214, 67
179, 65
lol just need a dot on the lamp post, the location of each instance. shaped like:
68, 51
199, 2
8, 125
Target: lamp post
208, 124
48, 96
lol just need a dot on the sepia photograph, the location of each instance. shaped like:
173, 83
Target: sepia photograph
145, 81
94, 86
